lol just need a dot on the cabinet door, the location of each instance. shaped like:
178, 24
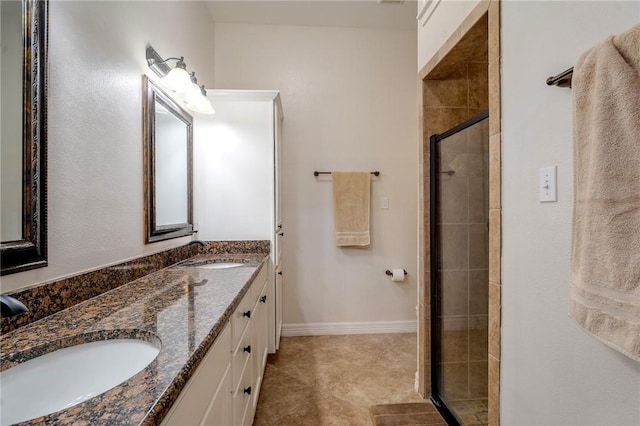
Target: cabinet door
194, 401
277, 132
271, 311
220, 411
278, 303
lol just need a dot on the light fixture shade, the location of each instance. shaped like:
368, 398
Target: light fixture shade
201, 105
177, 80
189, 94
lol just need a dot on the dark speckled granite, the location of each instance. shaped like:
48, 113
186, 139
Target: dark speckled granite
54, 296
48, 298
184, 307
220, 247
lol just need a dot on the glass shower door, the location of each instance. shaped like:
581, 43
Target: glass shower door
459, 271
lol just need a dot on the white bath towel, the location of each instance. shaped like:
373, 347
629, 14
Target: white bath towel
605, 270
351, 208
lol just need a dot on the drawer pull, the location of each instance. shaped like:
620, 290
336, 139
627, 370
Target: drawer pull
281, 234
247, 390
263, 299
247, 349
247, 314
279, 272
280, 226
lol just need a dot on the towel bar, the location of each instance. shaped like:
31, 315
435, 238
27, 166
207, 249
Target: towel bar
316, 173
561, 80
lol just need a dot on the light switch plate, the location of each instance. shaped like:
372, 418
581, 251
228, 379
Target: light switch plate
385, 203
548, 186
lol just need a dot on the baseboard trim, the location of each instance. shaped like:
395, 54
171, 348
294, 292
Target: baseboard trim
339, 328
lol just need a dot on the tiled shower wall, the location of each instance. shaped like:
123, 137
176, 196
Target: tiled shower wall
479, 32
453, 92
463, 262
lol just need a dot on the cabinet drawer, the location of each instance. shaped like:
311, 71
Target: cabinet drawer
241, 358
260, 327
242, 407
241, 318
264, 282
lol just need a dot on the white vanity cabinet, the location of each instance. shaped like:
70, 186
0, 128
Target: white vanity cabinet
249, 348
225, 387
278, 236
238, 153
260, 341
206, 398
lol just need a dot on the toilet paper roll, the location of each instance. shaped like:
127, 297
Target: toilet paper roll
397, 275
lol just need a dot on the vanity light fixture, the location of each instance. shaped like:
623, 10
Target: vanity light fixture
183, 84
178, 78
201, 104
196, 97
187, 90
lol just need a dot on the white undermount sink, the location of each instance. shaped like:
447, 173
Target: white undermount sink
69, 376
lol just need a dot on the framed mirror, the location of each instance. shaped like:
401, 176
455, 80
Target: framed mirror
23, 143
168, 165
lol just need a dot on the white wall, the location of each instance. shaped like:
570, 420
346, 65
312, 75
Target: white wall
96, 59
552, 372
441, 20
349, 101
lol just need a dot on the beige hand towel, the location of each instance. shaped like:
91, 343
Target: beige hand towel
605, 269
351, 205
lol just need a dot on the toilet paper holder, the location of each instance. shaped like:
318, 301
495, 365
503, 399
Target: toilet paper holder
388, 272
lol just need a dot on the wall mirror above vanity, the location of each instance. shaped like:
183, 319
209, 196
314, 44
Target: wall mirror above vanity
168, 165
23, 144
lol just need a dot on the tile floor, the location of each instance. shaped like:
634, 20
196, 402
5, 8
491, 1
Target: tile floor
471, 412
406, 413
334, 380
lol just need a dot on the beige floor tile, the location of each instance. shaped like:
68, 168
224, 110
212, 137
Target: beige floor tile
403, 408
365, 389
333, 380
325, 410
430, 419
280, 395
422, 413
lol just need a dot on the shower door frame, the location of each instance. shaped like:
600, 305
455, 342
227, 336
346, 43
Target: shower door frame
434, 196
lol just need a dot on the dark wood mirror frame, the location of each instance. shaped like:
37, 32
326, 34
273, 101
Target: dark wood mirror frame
152, 94
31, 251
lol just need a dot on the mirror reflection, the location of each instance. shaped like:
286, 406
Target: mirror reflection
168, 166
171, 159
11, 137
23, 135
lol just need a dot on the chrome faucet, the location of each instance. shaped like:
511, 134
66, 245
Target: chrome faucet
11, 306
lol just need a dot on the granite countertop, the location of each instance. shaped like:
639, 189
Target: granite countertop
183, 307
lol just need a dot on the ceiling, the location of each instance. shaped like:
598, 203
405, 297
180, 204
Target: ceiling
396, 15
